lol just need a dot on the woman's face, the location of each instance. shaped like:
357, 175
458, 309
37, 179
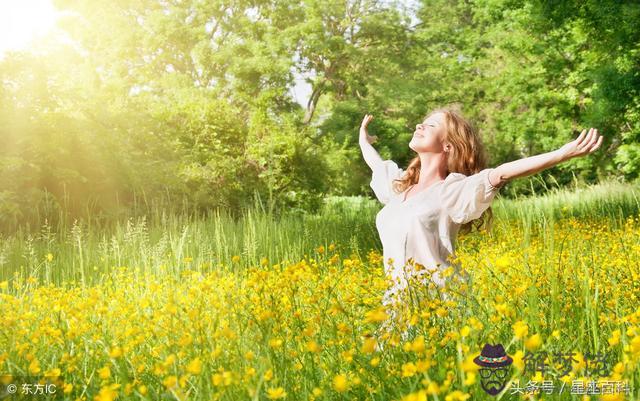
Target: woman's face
428, 136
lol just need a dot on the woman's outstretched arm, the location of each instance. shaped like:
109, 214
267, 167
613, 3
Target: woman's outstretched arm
371, 156
583, 145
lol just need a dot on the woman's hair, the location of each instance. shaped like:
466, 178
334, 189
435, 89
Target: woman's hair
467, 157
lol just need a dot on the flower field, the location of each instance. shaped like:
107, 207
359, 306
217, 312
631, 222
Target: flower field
310, 328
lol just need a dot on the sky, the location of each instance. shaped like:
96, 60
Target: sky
24, 20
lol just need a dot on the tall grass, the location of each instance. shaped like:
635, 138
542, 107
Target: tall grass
173, 242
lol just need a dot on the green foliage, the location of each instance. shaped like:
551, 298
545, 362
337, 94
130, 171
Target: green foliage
186, 104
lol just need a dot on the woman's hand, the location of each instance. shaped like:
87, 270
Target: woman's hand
364, 135
582, 145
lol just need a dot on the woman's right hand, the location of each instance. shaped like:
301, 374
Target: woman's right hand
364, 135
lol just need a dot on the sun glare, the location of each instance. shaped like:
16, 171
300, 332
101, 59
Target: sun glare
24, 21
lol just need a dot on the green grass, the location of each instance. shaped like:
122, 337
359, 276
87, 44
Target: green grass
87, 248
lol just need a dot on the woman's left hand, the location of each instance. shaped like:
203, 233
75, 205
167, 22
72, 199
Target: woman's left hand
583, 144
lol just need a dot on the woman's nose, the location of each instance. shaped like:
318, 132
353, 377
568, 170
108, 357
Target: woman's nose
418, 126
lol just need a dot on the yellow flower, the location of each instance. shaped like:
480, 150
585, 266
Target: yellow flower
465, 331
34, 367
116, 352
105, 372
418, 345
49, 257
170, 381
457, 396
615, 337
423, 365
4, 285
55, 372
580, 364
107, 393
420, 395
347, 355
195, 366
235, 258
468, 365
320, 249
470, 379
442, 312
317, 391
520, 329
250, 371
376, 316
313, 346
533, 343
518, 360
619, 368
634, 346
276, 393
128, 389
268, 375
408, 369
375, 362
265, 314
369, 345
340, 383
170, 360
503, 261
502, 308
432, 387
222, 378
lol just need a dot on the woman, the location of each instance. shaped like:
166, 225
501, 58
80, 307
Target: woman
446, 188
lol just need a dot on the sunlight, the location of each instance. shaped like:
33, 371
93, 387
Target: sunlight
23, 21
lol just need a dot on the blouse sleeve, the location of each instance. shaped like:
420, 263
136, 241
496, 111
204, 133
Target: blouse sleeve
382, 180
465, 198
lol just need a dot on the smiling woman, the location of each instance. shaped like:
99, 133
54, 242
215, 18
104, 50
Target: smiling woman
23, 21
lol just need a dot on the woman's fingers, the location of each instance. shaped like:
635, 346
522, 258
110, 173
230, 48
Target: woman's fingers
580, 137
367, 118
586, 141
594, 138
587, 138
597, 144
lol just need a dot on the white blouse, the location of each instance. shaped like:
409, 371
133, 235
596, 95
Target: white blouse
424, 226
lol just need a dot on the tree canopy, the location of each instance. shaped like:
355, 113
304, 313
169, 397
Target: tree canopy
188, 102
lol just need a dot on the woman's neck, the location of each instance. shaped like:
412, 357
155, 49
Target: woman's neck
433, 168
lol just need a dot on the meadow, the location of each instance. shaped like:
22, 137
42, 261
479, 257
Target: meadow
289, 307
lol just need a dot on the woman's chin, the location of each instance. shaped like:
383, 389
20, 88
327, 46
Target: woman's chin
417, 148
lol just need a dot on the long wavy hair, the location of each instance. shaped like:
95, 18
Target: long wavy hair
467, 157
